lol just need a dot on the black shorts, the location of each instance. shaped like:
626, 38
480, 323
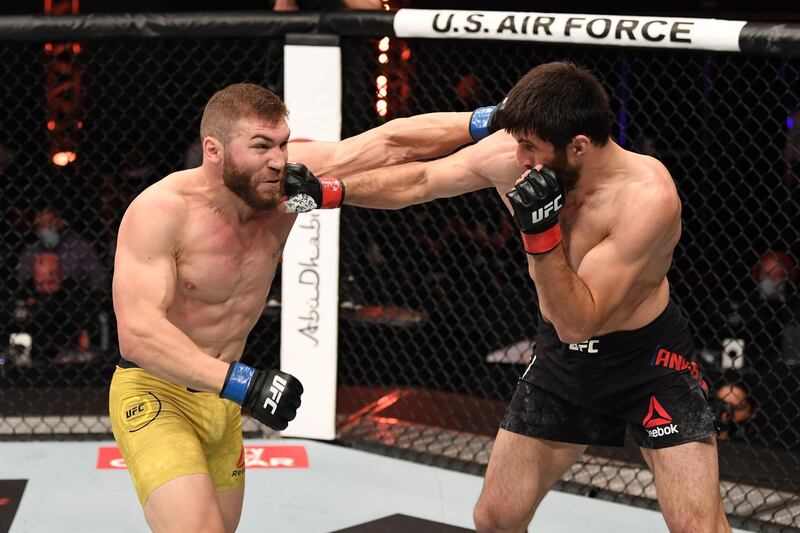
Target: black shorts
587, 393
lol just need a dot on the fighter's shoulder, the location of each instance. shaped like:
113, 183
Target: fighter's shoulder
651, 186
164, 201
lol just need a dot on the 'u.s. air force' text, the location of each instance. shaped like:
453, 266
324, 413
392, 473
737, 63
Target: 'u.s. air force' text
632, 29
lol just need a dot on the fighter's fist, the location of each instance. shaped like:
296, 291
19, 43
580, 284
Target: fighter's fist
307, 192
270, 396
537, 200
485, 121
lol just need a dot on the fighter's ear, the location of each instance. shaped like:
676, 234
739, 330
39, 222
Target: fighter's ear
212, 149
579, 145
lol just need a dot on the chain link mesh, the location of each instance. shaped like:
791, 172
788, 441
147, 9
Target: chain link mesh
436, 304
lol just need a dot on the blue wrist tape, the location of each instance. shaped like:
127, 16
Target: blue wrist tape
239, 378
479, 122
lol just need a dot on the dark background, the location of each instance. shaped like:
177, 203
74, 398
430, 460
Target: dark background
771, 10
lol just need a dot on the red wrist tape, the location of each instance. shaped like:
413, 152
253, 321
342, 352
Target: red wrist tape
332, 193
539, 243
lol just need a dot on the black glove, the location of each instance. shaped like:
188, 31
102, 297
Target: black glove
270, 396
537, 200
304, 189
484, 121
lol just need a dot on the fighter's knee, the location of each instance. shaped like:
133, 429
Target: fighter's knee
208, 523
204, 519
689, 523
490, 518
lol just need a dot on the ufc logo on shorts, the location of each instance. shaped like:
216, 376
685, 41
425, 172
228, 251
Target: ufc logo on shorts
588, 346
275, 393
545, 211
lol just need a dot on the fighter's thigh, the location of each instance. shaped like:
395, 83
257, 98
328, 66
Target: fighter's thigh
520, 472
230, 504
186, 503
687, 485
156, 439
226, 464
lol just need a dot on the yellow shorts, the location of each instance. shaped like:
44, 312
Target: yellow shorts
164, 432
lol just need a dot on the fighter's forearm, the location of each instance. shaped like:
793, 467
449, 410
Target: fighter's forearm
387, 188
162, 349
425, 136
564, 298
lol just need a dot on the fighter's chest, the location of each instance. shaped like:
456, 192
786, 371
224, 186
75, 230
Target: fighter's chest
217, 260
583, 226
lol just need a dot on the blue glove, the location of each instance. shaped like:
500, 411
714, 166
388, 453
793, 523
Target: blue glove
484, 121
271, 397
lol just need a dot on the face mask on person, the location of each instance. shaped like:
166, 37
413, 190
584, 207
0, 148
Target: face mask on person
771, 289
49, 237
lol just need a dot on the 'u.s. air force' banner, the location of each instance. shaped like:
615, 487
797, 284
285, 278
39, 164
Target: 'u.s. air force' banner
606, 30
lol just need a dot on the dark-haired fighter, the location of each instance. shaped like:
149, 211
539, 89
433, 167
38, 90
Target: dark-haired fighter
599, 224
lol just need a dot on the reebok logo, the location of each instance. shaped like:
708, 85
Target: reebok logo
239, 470
656, 418
660, 432
545, 211
656, 415
275, 393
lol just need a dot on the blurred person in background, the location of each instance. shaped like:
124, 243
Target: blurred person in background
61, 320
744, 322
77, 255
735, 411
771, 337
776, 275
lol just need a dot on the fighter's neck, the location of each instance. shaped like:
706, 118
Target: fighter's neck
221, 199
601, 168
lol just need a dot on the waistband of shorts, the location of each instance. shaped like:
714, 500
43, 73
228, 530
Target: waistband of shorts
124, 363
667, 324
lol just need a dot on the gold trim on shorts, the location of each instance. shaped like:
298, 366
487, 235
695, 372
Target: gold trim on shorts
165, 432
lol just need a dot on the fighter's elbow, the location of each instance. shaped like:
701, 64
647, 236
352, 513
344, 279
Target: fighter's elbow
569, 334
569, 337
131, 343
398, 151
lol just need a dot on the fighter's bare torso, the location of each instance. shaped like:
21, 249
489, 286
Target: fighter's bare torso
592, 213
224, 265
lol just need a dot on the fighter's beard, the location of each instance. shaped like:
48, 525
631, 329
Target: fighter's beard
240, 183
568, 175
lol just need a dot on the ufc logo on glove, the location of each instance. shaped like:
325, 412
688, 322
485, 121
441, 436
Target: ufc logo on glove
543, 212
275, 393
